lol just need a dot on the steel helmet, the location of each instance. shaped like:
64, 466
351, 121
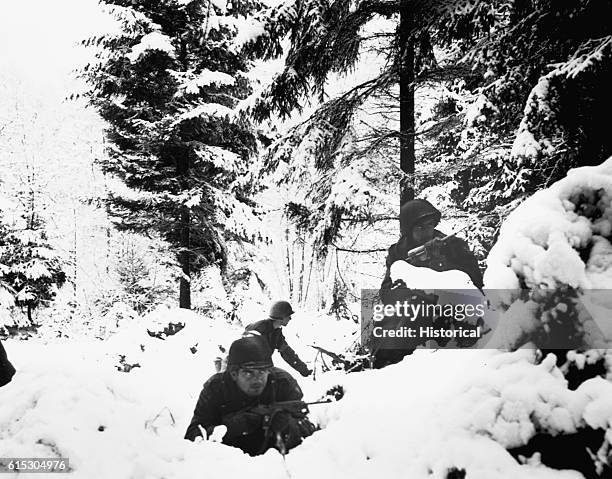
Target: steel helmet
250, 351
280, 310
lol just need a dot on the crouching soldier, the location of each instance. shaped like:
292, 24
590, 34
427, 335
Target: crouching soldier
418, 220
244, 399
271, 330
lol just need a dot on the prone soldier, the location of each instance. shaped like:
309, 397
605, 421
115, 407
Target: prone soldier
248, 399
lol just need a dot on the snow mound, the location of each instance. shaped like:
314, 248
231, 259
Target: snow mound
417, 277
559, 236
556, 247
112, 424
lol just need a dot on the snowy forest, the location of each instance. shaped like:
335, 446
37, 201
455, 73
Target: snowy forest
170, 169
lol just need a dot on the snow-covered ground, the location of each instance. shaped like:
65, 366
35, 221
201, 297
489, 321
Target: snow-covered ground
434, 413
431, 413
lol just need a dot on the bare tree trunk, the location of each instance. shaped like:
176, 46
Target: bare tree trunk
289, 269
301, 295
406, 86
184, 259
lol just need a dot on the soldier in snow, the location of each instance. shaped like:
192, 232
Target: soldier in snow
418, 220
243, 399
271, 330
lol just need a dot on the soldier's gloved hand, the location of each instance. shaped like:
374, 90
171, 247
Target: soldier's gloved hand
242, 424
261, 410
398, 283
434, 247
306, 372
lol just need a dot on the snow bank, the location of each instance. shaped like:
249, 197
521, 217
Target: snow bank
421, 418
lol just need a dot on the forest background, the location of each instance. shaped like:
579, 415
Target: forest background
218, 155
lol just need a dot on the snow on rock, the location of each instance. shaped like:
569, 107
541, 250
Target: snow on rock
151, 41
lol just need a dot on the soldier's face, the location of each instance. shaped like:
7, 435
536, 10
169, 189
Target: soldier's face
279, 323
251, 381
424, 232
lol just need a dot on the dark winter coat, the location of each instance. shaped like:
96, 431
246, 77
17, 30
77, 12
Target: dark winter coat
7, 370
220, 397
455, 254
276, 341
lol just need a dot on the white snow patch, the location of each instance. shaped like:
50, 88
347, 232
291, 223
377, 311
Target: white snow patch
151, 41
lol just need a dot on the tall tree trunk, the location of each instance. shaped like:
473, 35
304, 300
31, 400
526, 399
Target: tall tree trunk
185, 285
182, 168
30, 314
406, 87
289, 262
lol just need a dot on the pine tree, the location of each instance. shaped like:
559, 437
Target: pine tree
28, 264
140, 289
336, 148
532, 105
168, 85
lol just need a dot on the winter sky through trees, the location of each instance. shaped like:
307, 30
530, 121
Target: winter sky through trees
39, 39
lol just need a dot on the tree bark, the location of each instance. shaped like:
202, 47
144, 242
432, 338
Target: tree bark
406, 87
185, 285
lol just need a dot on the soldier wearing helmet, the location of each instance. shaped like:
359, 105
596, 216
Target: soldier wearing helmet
271, 329
238, 398
418, 220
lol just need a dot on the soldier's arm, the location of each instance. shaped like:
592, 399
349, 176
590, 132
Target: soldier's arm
387, 282
461, 256
289, 355
204, 415
288, 390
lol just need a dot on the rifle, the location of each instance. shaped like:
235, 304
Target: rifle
334, 356
422, 250
295, 406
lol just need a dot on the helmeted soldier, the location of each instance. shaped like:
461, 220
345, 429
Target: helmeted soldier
241, 397
418, 220
271, 330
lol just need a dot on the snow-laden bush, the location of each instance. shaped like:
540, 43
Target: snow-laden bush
556, 247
